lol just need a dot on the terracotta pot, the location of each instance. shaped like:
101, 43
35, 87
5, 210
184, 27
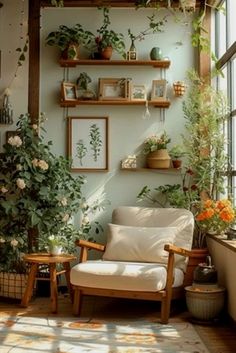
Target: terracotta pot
159, 159
198, 256
176, 163
106, 53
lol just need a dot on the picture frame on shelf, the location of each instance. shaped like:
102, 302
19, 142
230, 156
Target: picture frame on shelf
138, 93
68, 91
114, 89
159, 89
87, 143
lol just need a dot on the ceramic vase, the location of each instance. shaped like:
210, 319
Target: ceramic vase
156, 54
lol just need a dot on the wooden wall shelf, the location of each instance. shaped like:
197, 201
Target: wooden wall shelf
72, 104
161, 64
166, 170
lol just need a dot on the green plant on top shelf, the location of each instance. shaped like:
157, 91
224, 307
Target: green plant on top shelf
67, 39
107, 38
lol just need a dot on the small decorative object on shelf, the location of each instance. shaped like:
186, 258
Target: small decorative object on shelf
130, 162
132, 54
6, 112
156, 54
179, 88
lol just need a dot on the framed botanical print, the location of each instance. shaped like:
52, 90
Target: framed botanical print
159, 88
88, 143
138, 93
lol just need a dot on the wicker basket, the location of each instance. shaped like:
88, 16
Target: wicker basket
159, 159
12, 285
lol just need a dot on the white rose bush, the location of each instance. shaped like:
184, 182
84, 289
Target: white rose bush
38, 194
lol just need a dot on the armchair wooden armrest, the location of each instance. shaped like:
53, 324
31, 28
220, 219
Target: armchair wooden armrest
88, 245
176, 250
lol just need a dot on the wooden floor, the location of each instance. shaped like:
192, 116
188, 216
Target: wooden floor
219, 336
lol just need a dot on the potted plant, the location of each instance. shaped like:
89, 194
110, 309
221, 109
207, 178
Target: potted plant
82, 82
155, 147
68, 40
205, 110
107, 40
38, 196
176, 153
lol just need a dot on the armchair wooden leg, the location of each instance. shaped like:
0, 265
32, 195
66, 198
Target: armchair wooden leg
165, 310
77, 301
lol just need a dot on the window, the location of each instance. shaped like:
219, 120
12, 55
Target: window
225, 43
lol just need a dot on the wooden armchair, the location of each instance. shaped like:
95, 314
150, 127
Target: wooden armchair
136, 262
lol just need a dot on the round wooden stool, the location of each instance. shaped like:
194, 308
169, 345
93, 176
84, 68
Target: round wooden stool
43, 258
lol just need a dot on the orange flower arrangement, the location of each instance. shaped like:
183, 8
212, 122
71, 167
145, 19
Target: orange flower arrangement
215, 216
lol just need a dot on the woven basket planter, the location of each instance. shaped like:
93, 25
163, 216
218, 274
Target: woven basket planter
12, 285
159, 159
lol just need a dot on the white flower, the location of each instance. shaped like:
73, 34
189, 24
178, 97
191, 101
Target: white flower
18, 167
35, 126
2, 240
42, 164
85, 220
35, 162
14, 242
84, 205
51, 237
64, 201
15, 141
65, 217
20, 183
4, 190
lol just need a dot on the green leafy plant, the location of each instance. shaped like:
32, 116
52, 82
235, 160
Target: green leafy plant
65, 36
205, 111
177, 151
155, 26
83, 80
108, 37
37, 191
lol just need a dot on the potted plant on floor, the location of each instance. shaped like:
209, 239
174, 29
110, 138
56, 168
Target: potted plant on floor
206, 160
68, 40
38, 196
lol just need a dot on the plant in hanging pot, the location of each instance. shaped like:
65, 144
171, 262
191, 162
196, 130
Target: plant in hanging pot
68, 40
155, 147
107, 40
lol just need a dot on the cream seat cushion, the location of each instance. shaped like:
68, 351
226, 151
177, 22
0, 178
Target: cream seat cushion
121, 275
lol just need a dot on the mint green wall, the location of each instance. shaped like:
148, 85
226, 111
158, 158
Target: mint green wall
10, 38
127, 129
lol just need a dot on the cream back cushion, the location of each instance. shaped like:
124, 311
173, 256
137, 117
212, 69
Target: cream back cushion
142, 244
